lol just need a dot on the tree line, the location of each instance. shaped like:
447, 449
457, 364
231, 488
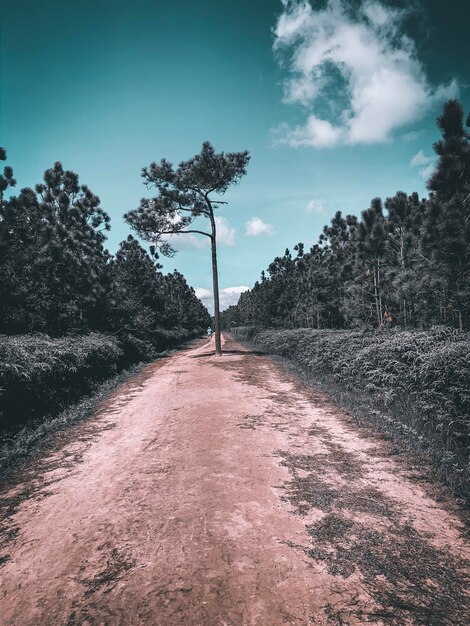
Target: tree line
57, 277
404, 262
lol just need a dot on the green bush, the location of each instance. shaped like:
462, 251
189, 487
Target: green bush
40, 375
419, 378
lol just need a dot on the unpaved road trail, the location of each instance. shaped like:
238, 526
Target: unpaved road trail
217, 492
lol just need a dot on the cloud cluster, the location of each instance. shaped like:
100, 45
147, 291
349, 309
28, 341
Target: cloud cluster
425, 163
256, 227
357, 59
225, 236
188, 242
227, 296
225, 233
315, 206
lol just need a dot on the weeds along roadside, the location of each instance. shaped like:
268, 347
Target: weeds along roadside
412, 386
17, 446
48, 384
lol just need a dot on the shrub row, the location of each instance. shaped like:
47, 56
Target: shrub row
41, 375
137, 349
419, 378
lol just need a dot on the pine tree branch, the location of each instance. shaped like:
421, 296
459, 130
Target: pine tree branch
184, 232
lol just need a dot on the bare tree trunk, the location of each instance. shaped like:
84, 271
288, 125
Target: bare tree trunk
376, 297
403, 269
215, 285
379, 289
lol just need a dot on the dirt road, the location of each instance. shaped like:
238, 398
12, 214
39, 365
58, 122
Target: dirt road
215, 491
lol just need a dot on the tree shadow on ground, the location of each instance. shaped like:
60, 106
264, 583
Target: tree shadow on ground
230, 352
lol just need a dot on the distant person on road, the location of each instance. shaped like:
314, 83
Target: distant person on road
209, 332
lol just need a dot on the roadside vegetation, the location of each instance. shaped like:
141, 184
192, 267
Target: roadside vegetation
413, 385
41, 375
17, 444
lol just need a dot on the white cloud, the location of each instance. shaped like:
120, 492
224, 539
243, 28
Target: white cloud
363, 57
315, 206
425, 163
202, 293
188, 242
225, 234
421, 159
230, 295
427, 171
227, 296
255, 227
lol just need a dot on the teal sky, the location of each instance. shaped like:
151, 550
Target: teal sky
107, 87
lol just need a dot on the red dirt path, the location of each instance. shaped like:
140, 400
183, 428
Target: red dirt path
215, 491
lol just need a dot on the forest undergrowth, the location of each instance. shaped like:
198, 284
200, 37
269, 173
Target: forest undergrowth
410, 385
53, 411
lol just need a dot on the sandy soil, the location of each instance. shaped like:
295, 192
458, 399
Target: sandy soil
215, 491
